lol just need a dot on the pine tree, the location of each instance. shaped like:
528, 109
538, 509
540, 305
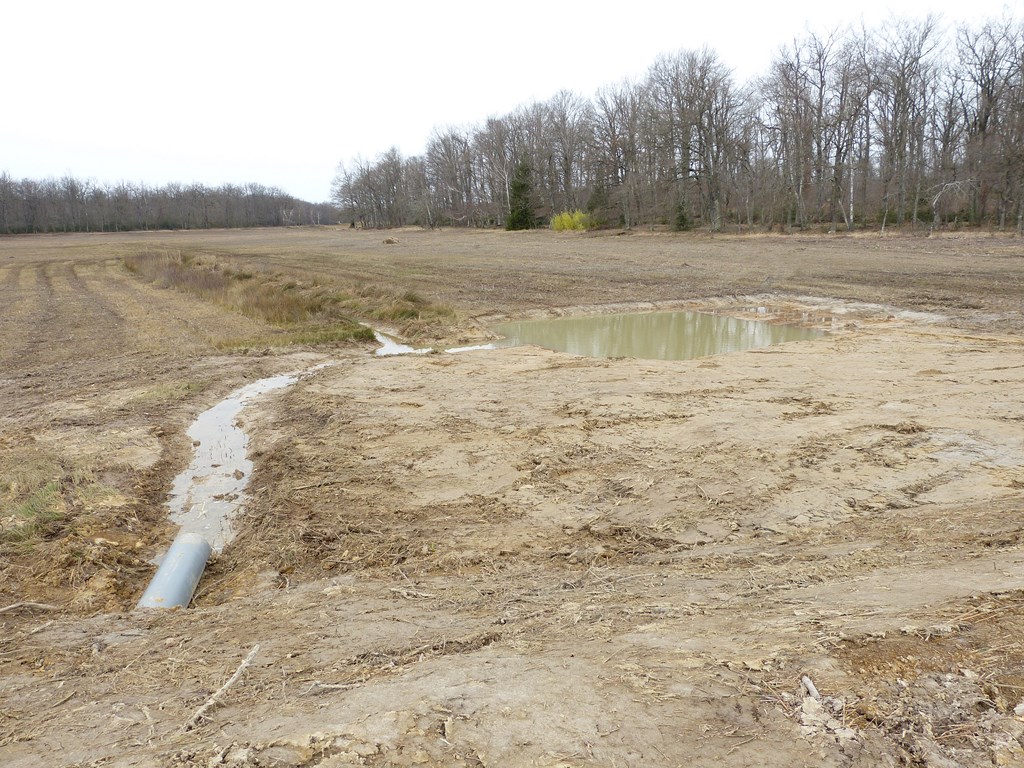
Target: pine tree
520, 199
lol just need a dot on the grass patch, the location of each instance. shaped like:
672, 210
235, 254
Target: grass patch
35, 516
376, 302
173, 392
40, 492
307, 336
46, 500
25, 469
31, 494
282, 305
305, 310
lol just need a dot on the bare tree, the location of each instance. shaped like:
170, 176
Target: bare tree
450, 171
903, 69
617, 148
571, 119
990, 57
881, 126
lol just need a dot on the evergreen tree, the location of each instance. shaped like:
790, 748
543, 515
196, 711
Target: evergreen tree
682, 222
520, 199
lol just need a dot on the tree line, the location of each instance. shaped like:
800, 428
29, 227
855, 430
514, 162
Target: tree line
72, 205
909, 123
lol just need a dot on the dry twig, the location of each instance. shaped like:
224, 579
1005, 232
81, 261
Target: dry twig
812, 691
411, 594
317, 687
27, 605
215, 699
40, 628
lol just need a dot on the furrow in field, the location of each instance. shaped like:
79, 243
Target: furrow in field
164, 319
12, 300
28, 323
66, 312
9, 278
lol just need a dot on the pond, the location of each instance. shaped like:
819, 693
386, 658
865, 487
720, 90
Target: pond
650, 335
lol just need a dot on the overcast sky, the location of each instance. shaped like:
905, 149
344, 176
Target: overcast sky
279, 93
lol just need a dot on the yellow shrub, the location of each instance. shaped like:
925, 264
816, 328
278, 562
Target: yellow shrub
577, 221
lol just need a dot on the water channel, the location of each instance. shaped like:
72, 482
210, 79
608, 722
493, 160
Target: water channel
205, 496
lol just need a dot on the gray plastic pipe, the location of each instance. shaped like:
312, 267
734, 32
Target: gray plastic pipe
179, 573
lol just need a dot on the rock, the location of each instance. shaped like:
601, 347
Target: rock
810, 711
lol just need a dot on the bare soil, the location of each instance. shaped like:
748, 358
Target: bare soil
519, 557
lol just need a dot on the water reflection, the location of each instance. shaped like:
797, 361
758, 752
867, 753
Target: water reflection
656, 336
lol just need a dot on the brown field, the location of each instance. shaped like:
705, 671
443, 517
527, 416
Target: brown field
517, 557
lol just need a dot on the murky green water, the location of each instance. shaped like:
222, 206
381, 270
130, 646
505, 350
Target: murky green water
655, 335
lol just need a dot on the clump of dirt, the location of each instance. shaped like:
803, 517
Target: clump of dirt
949, 691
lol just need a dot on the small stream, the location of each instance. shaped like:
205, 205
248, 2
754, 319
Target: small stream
389, 347
206, 495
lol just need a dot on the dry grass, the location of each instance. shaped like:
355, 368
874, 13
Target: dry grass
171, 392
46, 498
31, 495
302, 308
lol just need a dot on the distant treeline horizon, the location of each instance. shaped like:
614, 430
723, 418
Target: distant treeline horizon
69, 204
908, 123
904, 124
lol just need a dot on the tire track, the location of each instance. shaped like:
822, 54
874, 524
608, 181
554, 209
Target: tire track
11, 300
28, 318
89, 326
106, 328
66, 311
9, 278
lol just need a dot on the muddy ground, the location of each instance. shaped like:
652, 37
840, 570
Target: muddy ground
518, 557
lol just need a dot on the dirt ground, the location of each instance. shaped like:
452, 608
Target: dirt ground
808, 554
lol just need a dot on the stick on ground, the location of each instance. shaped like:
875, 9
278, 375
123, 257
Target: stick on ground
32, 606
812, 691
215, 699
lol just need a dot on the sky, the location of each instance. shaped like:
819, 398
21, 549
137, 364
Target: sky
218, 91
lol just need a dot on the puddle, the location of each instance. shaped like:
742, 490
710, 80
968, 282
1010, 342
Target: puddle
389, 346
651, 335
205, 496
471, 348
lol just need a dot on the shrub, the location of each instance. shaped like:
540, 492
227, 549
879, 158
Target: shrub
574, 221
